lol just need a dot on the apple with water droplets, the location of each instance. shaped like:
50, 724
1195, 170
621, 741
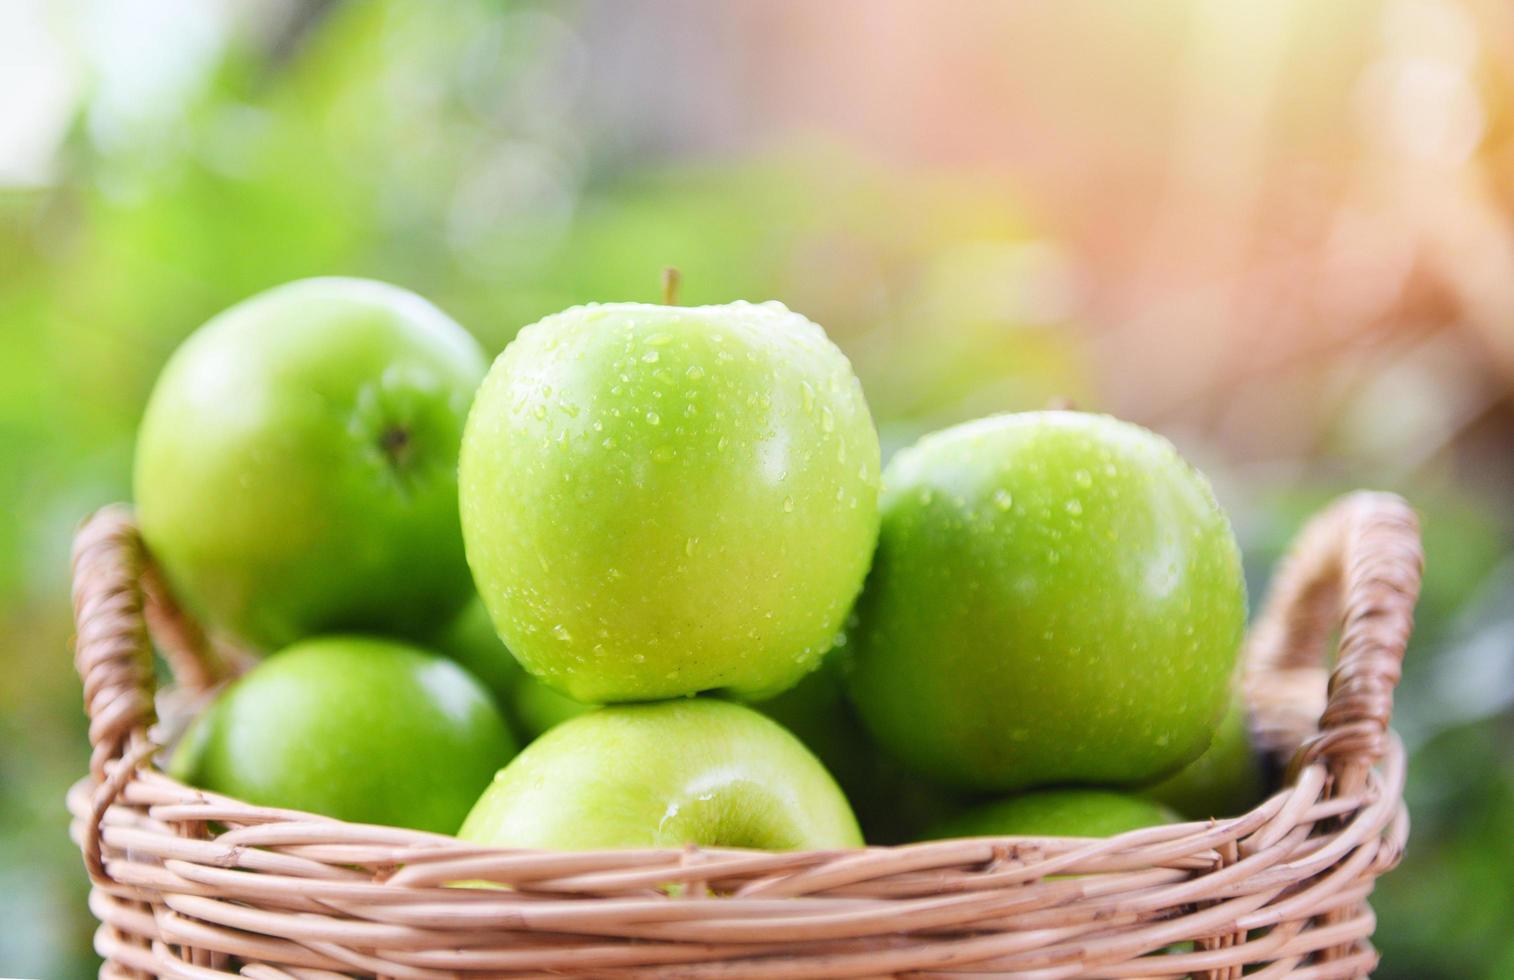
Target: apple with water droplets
296, 469
689, 771
661, 500
1056, 598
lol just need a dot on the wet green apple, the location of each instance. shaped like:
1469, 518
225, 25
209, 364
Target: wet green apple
659, 500
689, 771
356, 728
1056, 598
1228, 779
1069, 812
296, 470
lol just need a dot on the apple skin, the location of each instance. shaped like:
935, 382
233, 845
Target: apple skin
1228, 779
690, 771
1069, 812
659, 501
1056, 598
296, 467
357, 728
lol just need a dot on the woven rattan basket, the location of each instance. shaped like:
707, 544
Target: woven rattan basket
188, 884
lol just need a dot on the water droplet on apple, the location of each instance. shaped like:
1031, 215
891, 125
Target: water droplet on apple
827, 420
694, 372
1003, 499
561, 632
663, 454
1083, 478
690, 546
654, 419
1073, 507
788, 505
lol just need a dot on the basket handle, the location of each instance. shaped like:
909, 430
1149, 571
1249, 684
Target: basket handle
1356, 568
112, 651
120, 606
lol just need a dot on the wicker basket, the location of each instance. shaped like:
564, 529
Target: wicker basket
190, 884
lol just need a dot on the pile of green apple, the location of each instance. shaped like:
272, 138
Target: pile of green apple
657, 543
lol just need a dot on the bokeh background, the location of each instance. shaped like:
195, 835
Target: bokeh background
1280, 232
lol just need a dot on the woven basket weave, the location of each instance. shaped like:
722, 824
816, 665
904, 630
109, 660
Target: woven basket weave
190, 884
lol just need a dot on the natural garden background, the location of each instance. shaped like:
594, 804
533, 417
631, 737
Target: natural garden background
1281, 233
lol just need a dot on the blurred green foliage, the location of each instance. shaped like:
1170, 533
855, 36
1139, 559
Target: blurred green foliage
423, 144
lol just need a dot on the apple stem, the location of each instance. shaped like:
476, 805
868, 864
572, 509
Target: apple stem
670, 279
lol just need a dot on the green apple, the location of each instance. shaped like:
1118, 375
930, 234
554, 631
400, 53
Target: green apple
659, 501
690, 771
356, 728
1071, 812
1226, 780
296, 470
1056, 597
